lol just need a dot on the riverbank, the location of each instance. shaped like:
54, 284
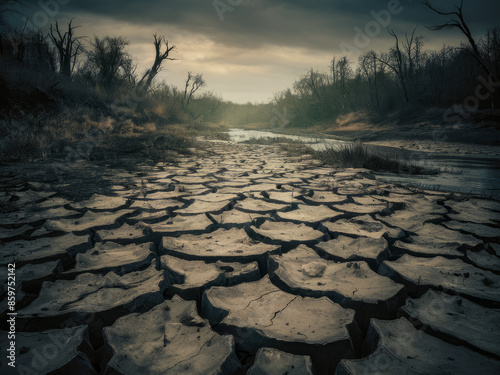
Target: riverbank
423, 132
467, 170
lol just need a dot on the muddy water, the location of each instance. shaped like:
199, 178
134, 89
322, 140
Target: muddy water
477, 174
241, 135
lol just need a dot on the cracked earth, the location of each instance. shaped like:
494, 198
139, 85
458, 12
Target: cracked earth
249, 261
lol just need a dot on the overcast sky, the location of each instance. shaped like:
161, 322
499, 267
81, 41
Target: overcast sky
250, 51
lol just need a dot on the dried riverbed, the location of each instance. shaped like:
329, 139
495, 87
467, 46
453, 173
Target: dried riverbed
244, 259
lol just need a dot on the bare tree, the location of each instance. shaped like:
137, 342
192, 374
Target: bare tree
160, 56
313, 83
316, 89
108, 61
397, 62
368, 64
457, 21
344, 73
413, 48
193, 84
129, 69
334, 71
68, 47
39, 53
489, 45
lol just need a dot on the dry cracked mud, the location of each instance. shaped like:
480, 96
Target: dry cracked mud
245, 260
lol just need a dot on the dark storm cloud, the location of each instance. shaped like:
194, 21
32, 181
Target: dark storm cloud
313, 24
254, 22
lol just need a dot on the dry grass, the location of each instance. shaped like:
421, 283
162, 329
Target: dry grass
83, 134
210, 131
292, 149
163, 144
357, 156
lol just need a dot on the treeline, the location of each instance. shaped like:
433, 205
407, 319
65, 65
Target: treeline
406, 76
47, 72
57, 69
213, 109
44, 71
60, 91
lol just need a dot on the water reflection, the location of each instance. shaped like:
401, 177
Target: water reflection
476, 174
241, 135
466, 174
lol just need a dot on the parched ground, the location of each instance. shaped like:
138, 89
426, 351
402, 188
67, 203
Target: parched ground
244, 260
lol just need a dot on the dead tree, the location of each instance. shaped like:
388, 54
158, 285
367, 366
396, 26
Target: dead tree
334, 71
344, 72
457, 21
368, 65
193, 84
395, 61
68, 47
107, 62
160, 56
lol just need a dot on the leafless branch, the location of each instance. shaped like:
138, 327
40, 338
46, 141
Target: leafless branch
457, 20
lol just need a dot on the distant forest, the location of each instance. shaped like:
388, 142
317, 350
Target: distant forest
56, 71
405, 77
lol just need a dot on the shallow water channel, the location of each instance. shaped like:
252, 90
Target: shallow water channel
477, 173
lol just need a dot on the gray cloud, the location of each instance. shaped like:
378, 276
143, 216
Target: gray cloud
292, 22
